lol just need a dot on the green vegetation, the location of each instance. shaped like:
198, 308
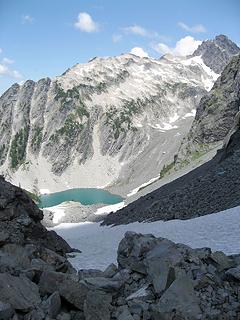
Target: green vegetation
81, 110
18, 147
121, 120
166, 169
37, 138
72, 95
70, 129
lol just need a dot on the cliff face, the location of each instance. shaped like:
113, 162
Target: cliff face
217, 53
215, 114
96, 117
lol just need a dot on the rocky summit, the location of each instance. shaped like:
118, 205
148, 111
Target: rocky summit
217, 53
112, 116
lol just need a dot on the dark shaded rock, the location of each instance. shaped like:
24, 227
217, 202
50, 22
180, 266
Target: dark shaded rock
6, 311
180, 300
21, 293
97, 306
234, 273
21, 219
74, 292
89, 273
52, 305
103, 284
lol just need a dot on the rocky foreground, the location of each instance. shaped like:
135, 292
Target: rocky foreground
155, 278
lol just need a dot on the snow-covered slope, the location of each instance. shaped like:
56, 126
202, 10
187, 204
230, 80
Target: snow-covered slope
219, 231
100, 123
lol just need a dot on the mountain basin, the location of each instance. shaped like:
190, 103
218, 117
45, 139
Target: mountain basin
86, 196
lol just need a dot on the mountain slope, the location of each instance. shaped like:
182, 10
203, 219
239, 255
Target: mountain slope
215, 114
215, 185
114, 117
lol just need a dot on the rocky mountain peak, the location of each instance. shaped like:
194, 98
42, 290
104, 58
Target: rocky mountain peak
217, 53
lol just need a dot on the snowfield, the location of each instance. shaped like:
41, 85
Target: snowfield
219, 231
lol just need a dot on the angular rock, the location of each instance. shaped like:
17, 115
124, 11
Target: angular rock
222, 261
6, 311
52, 305
234, 273
89, 273
161, 274
101, 283
97, 306
179, 299
74, 292
21, 293
124, 314
110, 271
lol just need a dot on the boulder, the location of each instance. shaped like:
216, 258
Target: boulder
21, 293
52, 305
72, 291
89, 273
179, 299
101, 283
222, 261
97, 306
234, 273
6, 311
161, 274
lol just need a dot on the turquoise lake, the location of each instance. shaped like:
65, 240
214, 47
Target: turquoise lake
86, 196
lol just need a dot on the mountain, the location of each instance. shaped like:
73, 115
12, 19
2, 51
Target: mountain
212, 187
215, 114
100, 123
217, 53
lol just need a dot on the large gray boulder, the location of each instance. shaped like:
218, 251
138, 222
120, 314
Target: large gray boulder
179, 300
71, 290
97, 306
21, 293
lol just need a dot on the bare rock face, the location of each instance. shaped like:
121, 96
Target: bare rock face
20, 220
217, 53
215, 114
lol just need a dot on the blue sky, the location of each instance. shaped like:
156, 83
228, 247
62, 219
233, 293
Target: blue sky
45, 37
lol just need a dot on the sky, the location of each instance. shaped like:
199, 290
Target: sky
40, 38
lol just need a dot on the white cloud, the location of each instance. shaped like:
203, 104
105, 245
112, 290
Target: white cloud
199, 28
138, 51
135, 29
85, 23
184, 47
7, 61
5, 70
27, 19
116, 38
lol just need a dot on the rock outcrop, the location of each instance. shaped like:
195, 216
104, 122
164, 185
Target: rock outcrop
215, 114
20, 221
217, 53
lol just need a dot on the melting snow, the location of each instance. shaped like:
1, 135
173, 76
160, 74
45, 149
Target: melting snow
219, 231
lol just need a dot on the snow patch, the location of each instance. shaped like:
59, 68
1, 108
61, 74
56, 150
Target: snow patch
111, 208
219, 231
134, 191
